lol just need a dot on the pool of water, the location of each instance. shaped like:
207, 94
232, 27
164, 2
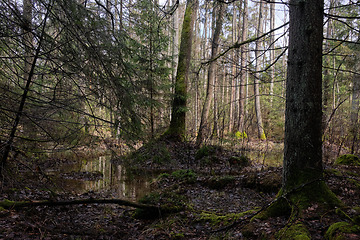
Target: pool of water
115, 180
120, 183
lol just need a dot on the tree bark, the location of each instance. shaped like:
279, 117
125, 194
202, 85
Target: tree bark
179, 107
303, 183
243, 75
272, 51
233, 71
260, 126
327, 76
303, 114
204, 124
354, 115
29, 65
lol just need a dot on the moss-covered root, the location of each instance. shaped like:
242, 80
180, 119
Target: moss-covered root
348, 159
342, 230
295, 231
294, 202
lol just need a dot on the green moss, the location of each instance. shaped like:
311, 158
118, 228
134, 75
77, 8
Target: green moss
333, 171
220, 182
296, 201
188, 176
155, 151
348, 159
163, 175
317, 192
208, 154
170, 202
217, 220
280, 207
8, 204
296, 232
207, 150
337, 230
356, 218
263, 136
177, 235
355, 182
340, 212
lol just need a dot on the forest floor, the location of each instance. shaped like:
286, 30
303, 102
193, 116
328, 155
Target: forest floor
214, 195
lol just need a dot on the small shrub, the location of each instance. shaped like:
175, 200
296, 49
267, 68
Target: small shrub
241, 135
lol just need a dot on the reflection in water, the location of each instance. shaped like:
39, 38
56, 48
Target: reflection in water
115, 179
121, 184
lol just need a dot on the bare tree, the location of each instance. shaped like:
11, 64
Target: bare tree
204, 124
259, 121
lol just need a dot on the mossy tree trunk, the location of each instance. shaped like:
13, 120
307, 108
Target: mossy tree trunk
179, 107
303, 114
303, 182
303, 169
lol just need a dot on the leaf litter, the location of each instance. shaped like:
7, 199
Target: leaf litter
214, 200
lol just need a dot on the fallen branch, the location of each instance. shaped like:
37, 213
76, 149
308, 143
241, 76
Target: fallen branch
6, 204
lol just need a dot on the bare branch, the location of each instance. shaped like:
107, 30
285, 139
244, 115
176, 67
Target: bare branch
239, 44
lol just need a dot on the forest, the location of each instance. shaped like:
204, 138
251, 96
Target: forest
179, 119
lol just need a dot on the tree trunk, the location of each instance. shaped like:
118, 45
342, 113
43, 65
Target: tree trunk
31, 58
27, 76
355, 108
178, 115
233, 71
303, 153
243, 75
327, 76
303, 183
261, 133
272, 51
204, 124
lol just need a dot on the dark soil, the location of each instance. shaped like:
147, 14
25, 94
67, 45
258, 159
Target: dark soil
209, 201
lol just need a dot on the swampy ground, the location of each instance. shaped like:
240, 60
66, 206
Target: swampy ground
212, 193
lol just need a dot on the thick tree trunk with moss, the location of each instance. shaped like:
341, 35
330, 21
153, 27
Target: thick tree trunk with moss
179, 107
303, 115
303, 182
